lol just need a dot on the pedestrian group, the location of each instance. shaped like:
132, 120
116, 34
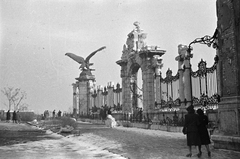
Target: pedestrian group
16, 118
195, 128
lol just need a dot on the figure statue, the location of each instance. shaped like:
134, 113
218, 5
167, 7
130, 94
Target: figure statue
137, 25
84, 62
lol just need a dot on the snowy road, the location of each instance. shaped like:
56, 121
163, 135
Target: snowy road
60, 148
98, 141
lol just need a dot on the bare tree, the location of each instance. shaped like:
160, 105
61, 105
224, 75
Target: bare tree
15, 97
23, 107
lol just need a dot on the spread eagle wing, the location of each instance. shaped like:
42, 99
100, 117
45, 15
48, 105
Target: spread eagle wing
93, 53
76, 58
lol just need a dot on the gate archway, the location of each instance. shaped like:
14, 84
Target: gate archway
137, 56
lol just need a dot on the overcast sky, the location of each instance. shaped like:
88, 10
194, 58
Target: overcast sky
35, 35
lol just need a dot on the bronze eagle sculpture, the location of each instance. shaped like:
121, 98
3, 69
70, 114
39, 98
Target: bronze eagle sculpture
84, 62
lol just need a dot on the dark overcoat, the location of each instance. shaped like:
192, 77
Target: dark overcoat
14, 117
204, 135
8, 115
192, 123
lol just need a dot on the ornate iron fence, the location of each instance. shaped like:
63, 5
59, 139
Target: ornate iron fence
169, 91
204, 86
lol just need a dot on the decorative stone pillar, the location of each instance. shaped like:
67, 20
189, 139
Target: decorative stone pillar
127, 99
84, 91
91, 100
158, 88
105, 96
185, 53
99, 96
118, 91
126, 92
228, 14
180, 59
94, 96
148, 90
149, 64
83, 98
110, 99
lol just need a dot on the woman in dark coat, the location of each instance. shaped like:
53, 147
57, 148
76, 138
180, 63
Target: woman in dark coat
191, 124
203, 132
14, 117
8, 115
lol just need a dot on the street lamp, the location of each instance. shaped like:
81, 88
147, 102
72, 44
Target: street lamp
207, 40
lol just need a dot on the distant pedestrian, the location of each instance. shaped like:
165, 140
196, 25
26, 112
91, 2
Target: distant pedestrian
53, 114
109, 111
101, 113
191, 125
59, 113
140, 114
8, 116
46, 114
18, 117
14, 117
203, 132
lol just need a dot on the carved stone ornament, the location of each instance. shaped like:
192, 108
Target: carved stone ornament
130, 42
182, 49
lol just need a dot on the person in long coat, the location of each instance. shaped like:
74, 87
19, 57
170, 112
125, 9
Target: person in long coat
203, 132
18, 117
191, 124
14, 117
8, 116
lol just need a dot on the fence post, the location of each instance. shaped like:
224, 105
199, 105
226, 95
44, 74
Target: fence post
186, 92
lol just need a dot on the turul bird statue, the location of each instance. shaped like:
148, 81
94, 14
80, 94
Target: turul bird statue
84, 62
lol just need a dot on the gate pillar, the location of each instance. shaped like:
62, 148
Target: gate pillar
99, 96
126, 92
185, 84
158, 88
148, 85
228, 14
110, 99
151, 65
180, 59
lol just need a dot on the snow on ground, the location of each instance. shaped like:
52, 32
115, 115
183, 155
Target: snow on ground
156, 133
86, 146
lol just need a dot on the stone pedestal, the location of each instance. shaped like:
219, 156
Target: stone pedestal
74, 98
84, 91
83, 96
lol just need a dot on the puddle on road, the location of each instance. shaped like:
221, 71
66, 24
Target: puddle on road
86, 146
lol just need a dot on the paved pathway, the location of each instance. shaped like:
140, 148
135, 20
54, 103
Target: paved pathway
137, 143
